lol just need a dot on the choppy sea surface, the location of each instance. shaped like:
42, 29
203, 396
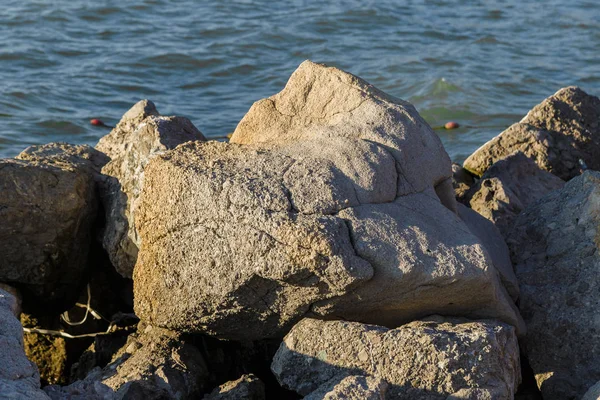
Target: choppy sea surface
481, 63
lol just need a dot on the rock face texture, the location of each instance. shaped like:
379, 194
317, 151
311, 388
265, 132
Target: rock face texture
156, 364
47, 208
556, 133
140, 134
19, 378
341, 214
248, 387
555, 248
508, 187
420, 360
593, 393
351, 388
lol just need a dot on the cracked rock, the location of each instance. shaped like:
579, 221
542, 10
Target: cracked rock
247, 387
429, 359
555, 249
556, 133
141, 134
348, 218
351, 388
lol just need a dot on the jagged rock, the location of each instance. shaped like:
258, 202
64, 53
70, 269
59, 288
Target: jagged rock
555, 249
508, 187
16, 295
66, 155
593, 393
19, 378
430, 359
495, 245
155, 364
556, 133
351, 388
240, 241
462, 180
47, 208
323, 102
140, 134
247, 387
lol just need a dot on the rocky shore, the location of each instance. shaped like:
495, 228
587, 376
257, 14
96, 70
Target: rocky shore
329, 250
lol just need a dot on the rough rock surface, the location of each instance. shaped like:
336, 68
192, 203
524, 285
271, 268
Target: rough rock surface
19, 378
555, 249
155, 364
462, 180
430, 359
241, 241
351, 388
47, 208
140, 134
556, 133
508, 187
247, 387
593, 393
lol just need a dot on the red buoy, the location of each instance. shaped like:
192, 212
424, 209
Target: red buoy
451, 125
97, 122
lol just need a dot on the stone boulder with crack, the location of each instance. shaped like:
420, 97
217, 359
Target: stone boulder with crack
429, 359
154, 364
556, 133
555, 247
141, 134
47, 208
241, 241
19, 377
508, 187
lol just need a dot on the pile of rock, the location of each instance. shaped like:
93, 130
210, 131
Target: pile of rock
327, 225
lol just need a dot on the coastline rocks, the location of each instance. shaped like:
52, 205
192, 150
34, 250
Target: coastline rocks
508, 187
47, 208
351, 388
555, 249
247, 387
140, 134
325, 102
241, 241
154, 364
427, 359
556, 133
19, 378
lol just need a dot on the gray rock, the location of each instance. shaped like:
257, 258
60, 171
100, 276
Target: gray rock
430, 359
141, 134
47, 208
555, 249
19, 378
240, 241
16, 294
508, 187
593, 393
247, 387
462, 180
155, 364
351, 388
556, 133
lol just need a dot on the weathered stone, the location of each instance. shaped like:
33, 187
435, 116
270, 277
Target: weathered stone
494, 243
19, 378
47, 208
351, 388
430, 359
156, 364
247, 387
66, 156
141, 134
556, 133
462, 180
508, 187
555, 249
16, 295
323, 102
240, 241
593, 393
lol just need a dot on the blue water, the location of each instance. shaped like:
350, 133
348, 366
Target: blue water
481, 63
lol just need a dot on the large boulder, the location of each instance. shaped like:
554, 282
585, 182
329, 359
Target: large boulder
508, 187
557, 133
154, 364
19, 378
429, 359
47, 209
140, 134
555, 248
354, 387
